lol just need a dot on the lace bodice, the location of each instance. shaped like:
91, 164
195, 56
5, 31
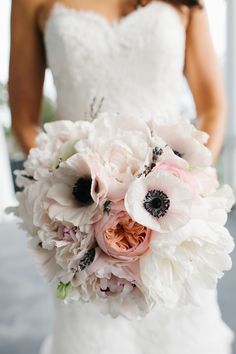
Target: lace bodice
131, 66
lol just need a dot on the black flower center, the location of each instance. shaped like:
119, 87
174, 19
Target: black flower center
156, 203
156, 152
88, 259
82, 190
177, 153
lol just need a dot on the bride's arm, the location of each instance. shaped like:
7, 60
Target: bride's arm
206, 80
26, 73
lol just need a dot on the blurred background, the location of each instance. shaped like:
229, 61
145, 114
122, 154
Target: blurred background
25, 319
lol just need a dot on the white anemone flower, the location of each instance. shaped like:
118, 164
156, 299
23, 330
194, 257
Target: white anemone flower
76, 192
187, 142
159, 201
182, 263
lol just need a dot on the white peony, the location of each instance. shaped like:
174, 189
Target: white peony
45, 260
118, 287
25, 210
121, 142
72, 249
182, 263
54, 145
215, 206
32, 207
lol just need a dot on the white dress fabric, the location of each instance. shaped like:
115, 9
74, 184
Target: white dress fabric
135, 66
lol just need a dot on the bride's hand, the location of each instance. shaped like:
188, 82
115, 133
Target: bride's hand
26, 136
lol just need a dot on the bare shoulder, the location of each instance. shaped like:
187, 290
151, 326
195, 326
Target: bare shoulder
27, 6
28, 10
192, 16
198, 10
198, 19
184, 13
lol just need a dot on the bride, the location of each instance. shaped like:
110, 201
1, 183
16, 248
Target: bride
121, 56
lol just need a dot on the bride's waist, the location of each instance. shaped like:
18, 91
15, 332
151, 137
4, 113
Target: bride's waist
143, 108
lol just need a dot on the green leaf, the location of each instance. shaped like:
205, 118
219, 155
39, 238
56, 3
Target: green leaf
63, 290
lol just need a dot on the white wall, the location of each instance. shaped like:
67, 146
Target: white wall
229, 153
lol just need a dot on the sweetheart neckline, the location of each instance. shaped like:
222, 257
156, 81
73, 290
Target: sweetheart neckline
110, 24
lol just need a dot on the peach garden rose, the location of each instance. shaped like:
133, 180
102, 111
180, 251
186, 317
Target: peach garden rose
119, 236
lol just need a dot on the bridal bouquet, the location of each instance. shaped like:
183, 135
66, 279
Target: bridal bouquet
125, 213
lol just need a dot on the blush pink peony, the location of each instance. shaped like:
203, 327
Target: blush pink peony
183, 175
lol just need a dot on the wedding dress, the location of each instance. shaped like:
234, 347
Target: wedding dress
133, 65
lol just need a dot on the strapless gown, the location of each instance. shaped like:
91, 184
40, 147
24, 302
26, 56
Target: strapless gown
131, 66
